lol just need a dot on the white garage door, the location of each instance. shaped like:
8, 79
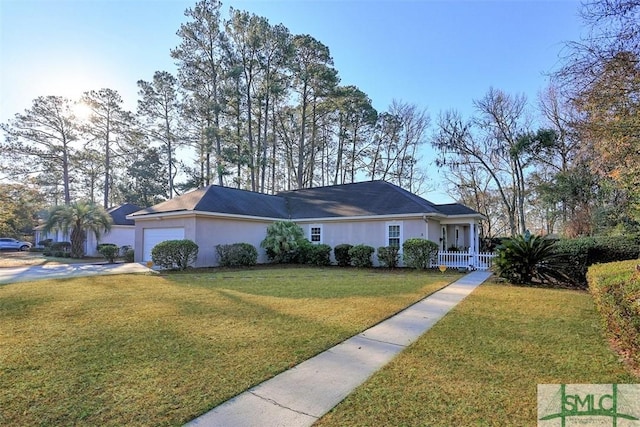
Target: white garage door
153, 236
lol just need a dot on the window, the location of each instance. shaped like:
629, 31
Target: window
315, 234
393, 235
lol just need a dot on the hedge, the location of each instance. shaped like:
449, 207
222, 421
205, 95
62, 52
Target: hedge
578, 254
237, 255
319, 255
616, 290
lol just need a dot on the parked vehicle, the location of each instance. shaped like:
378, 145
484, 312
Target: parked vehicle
7, 243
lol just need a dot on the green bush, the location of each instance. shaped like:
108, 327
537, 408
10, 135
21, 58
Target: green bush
302, 253
578, 254
174, 254
109, 251
237, 255
283, 241
525, 259
341, 252
129, 255
616, 291
319, 255
361, 255
58, 254
45, 243
61, 247
419, 253
388, 256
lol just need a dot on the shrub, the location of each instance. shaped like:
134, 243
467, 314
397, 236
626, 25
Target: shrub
237, 255
109, 251
174, 254
124, 249
302, 253
45, 243
61, 247
616, 291
58, 254
419, 253
283, 241
102, 245
525, 258
388, 256
341, 252
578, 254
129, 255
319, 255
361, 255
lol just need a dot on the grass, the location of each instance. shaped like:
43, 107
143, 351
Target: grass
481, 364
161, 350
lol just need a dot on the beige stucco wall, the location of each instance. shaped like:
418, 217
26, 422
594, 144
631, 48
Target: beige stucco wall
217, 231
207, 232
367, 232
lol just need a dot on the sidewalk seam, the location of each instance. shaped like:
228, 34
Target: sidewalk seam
279, 405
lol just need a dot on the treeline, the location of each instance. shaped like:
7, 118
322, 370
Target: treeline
575, 171
252, 106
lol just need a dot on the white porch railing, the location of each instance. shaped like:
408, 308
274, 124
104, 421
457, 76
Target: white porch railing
472, 261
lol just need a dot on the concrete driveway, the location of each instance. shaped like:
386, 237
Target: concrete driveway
60, 271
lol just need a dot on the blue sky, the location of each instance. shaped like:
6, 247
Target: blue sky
436, 54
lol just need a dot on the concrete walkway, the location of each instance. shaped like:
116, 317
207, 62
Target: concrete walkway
61, 271
300, 396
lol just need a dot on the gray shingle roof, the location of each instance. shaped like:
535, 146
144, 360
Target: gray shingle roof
368, 198
357, 199
223, 200
119, 213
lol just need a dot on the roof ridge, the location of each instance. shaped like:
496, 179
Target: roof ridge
330, 186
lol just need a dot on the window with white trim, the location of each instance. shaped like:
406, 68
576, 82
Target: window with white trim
394, 234
315, 234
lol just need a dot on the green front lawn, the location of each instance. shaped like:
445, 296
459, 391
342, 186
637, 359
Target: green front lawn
480, 365
149, 350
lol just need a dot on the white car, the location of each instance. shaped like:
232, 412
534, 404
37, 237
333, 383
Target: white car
9, 243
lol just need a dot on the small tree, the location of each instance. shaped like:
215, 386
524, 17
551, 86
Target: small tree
419, 253
109, 251
283, 240
79, 218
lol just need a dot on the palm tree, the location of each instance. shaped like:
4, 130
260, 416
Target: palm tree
79, 218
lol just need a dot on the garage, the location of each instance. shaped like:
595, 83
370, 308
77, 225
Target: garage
153, 236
